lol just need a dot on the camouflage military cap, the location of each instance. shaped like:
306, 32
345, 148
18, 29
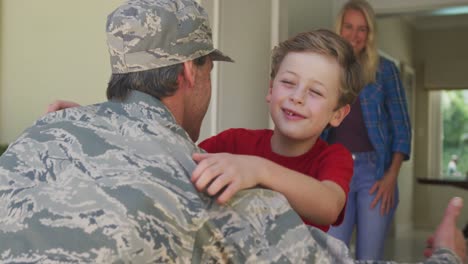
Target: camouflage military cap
149, 34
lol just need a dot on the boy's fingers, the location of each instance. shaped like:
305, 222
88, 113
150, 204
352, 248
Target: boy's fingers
200, 156
227, 194
203, 165
51, 108
202, 180
59, 105
217, 184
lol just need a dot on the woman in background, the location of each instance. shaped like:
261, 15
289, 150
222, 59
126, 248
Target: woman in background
377, 131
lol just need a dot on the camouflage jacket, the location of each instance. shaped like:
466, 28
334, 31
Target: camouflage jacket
110, 183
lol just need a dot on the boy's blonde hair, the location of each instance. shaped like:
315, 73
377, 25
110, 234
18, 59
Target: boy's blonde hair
325, 42
369, 57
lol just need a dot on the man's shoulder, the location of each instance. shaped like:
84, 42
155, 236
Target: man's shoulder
266, 229
73, 114
88, 175
95, 134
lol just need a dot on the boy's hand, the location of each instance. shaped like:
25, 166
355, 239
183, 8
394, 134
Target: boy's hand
225, 173
60, 105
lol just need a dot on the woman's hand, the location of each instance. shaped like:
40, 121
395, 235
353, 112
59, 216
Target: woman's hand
385, 188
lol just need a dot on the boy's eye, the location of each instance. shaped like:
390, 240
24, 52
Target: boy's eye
315, 92
289, 83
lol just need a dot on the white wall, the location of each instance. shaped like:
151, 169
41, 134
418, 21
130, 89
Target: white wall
50, 49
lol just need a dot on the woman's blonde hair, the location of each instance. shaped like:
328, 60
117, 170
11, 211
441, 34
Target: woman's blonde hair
369, 58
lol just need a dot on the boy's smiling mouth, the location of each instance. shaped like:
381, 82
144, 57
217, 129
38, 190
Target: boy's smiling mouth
292, 114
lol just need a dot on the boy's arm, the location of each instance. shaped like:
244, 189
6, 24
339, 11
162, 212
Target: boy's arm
320, 202
225, 174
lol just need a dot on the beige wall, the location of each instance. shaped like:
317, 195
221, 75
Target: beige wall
430, 200
304, 15
394, 38
239, 88
245, 35
422, 205
50, 49
56, 49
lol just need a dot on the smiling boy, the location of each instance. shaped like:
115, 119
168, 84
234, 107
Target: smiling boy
314, 79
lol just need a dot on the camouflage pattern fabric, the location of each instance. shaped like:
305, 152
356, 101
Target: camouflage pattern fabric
148, 34
110, 183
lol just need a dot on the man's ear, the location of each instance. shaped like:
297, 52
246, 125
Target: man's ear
268, 96
340, 115
187, 76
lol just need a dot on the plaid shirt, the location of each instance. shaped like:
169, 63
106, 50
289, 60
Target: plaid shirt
385, 115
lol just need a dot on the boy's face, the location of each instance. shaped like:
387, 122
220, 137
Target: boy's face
304, 95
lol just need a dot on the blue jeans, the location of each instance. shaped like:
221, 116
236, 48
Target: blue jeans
371, 227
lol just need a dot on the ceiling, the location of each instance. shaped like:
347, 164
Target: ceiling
423, 14
426, 22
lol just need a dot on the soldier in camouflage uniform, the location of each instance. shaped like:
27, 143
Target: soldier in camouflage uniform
110, 183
